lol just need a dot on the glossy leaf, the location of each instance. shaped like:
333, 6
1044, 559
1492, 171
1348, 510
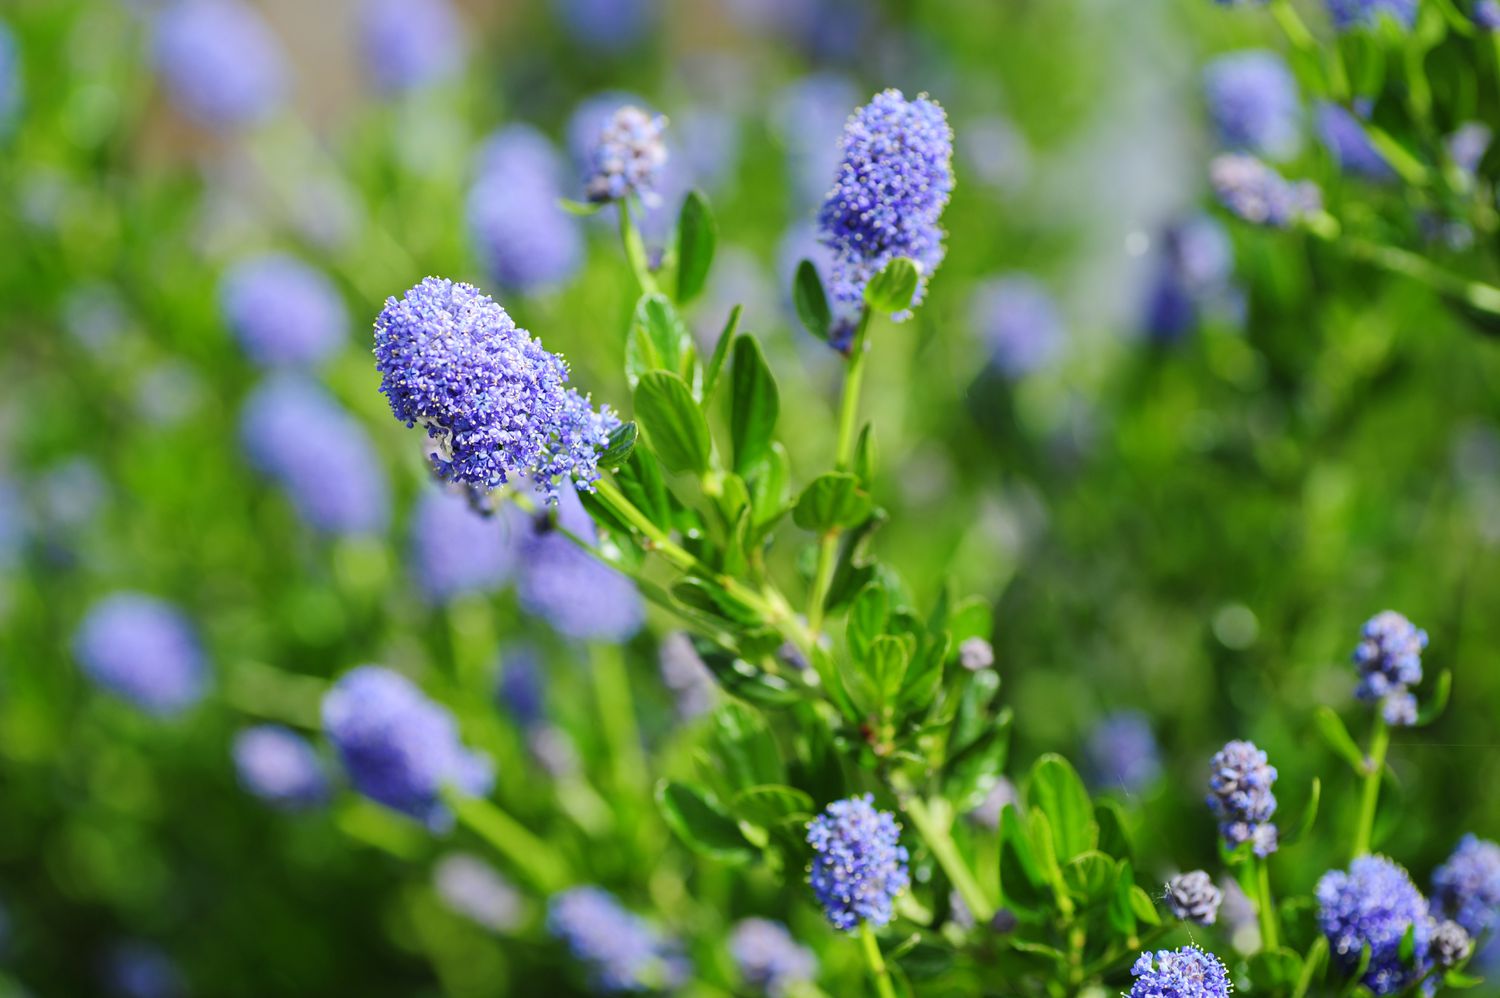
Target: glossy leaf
697, 234
621, 442
720, 354
893, 288
1021, 881
866, 620
755, 404
701, 824
1055, 789
832, 501
674, 424
810, 300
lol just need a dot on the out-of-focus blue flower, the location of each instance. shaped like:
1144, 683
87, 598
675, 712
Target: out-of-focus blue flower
1348, 14
996, 151
280, 766
1193, 897
808, 115
628, 156
494, 402
1122, 752
610, 26
527, 241
470, 887
1470, 141
892, 184
579, 595
620, 949
220, 62
143, 650
1486, 14
859, 864
1451, 944
1188, 972
1389, 659
1193, 270
1253, 100
1240, 794
141, 970
1260, 195
456, 551
768, 958
10, 78
410, 44
1374, 904
1466, 888
685, 674
520, 688
282, 310
1349, 144
399, 748
1018, 320
294, 432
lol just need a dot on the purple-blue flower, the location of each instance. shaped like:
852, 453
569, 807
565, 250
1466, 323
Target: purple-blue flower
282, 311
609, 26
457, 551
1486, 14
472, 888
1188, 972
1347, 141
1193, 897
399, 748
1349, 14
220, 62
1258, 194
135, 969
298, 435
1017, 318
859, 864
579, 595
494, 402
808, 115
768, 958
527, 242
143, 650
1252, 98
1466, 888
627, 157
685, 674
1240, 795
280, 766
888, 195
10, 78
1122, 752
621, 950
1389, 659
1470, 141
1192, 274
520, 687
1374, 904
410, 44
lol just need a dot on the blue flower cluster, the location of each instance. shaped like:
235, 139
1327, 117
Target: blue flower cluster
1466, 888
1240, 795
519, 686
528, 243
579, 595
399, 748
10, 78
768, 958
1374, 904
1193, 897
1194, 271
1253, 100
889, 194
143, 650
1349, 14
628, 156
1122, 752
859, 864
494, 402
1020, 323
1486, 14
1188, 972
221, 64
410, 44
296, 433
1258, 194
280, 766
470, 887
457, 551
621, 950
282, 311
1389, 658
1346, 140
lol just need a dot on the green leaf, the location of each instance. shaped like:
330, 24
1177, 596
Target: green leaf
889, 658
1144, 907
1408, 948
1461, 981
1312, 965
712, 599
641, 480
1275, 969
1090, 877
1043, 848
1121, 913
768, 489
619, 445
971, 774
696, 235
701, 824
754, 404
582, 209
864, 455
721, 352
1304, 824
866, 619
674, 423
810, 301
658, 340
1056, 791
1337, 737
771, 803
739, 678
1438, 701
1114, 832
1021, 882
971, 618
832, 501
893, 288
832, 681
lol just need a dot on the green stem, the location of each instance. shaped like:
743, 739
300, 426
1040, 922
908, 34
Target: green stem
1380, 740
1474, 294
945, 851
1266, 907
876, 961
1303, 41
611, 686
538, 861
635, 249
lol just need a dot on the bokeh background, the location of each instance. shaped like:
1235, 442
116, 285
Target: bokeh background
1186, 520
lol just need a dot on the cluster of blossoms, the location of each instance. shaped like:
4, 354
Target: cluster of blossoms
575, 592
1374, 905
768, 958
1122, 752
1346, 140
628, 156
1193, 897
399, 748
892, 185
456, 551
526, 240
1019, 322
1188, 972
1389, 659
1240, 795
1253, 101
859, 864
280, 766
220, 61
410, 44
1486, 14
143, 650
470, 887
10, 79
282, 311
1194, 271
1466, 888
494, 402
620, 949
1258, 194
1350, 14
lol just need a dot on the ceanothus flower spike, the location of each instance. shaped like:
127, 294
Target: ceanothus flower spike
1466, 888
1350, 14
1193, 897
628, 156
1258, 194
1188, 972
1375, 904
142, 650
1252, 98
859, 863
1389, 659
1240, 794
